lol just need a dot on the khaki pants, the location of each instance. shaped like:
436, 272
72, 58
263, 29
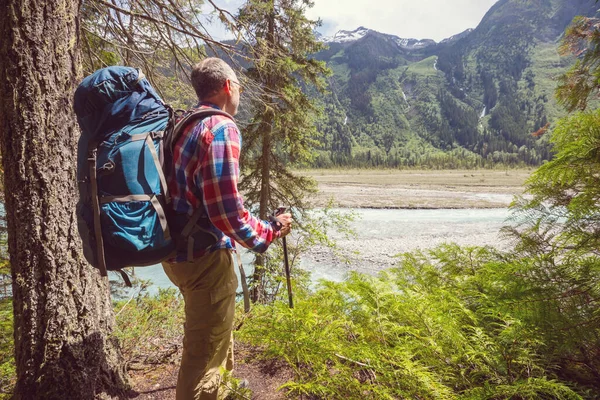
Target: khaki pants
208, 285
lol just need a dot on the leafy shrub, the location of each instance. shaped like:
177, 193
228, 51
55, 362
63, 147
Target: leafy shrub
452, 323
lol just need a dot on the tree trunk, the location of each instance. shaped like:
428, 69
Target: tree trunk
265, 176
62, 310
258, 289
267, 125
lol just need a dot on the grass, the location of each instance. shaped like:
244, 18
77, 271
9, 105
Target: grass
7, 362
425, 67
547, 65
150, 328
341, 71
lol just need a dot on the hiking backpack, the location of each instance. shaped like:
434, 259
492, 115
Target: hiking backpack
123, 210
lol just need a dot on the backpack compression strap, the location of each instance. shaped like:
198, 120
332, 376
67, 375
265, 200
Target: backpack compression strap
148, 138
152, 198
96, 205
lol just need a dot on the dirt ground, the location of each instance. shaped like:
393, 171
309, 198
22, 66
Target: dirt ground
418, 189
264, 378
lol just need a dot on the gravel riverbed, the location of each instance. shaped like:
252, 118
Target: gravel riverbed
407, 211
381, 235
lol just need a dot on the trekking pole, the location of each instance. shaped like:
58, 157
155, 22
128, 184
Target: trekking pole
288, 278
287, 273
244, 283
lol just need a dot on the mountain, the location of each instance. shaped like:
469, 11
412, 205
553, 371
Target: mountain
361, 32
471, 100
456, 37
347, 36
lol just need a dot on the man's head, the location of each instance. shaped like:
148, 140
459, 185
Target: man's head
214, 81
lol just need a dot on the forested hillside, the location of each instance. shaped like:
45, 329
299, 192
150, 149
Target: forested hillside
480, 98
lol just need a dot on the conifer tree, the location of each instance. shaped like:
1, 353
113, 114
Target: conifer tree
559, 220
162, 37
582, 81
62, 311
569, 184
282, 130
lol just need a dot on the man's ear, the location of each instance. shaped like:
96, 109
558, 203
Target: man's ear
227, 87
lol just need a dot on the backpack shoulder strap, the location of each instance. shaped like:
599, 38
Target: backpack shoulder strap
171, 136
195, 115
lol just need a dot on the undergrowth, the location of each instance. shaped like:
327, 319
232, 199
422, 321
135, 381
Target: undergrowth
7, 361
150, 328
456, 323
450, 323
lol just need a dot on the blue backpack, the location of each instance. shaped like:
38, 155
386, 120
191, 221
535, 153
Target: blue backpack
123, 210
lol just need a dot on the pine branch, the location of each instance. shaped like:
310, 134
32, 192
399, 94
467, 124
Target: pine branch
117, 45
193, 31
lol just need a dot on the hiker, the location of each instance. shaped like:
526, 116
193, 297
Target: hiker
204, 174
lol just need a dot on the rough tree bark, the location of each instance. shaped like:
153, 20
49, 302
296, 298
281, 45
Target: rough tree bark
265, 160
265, 187
63, 315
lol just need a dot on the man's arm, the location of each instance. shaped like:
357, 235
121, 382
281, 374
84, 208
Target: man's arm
224, 203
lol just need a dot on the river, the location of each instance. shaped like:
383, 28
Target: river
381, 235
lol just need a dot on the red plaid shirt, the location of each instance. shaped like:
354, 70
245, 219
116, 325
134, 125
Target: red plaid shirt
206, 174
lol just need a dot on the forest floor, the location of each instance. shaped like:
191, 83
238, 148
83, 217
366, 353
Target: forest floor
411, 189
418, 189
264, 377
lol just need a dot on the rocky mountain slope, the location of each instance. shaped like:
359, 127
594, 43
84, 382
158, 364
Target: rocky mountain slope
470, 100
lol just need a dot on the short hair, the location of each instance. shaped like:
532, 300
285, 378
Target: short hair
209, 75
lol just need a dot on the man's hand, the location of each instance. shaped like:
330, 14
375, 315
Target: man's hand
286, 223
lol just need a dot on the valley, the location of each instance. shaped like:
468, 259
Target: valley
471, 101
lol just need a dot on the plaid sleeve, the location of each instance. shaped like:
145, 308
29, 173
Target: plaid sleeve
223, 201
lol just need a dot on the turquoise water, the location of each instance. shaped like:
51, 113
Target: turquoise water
159, 279
381, 235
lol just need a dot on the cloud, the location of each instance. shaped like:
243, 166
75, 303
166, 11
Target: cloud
420, 19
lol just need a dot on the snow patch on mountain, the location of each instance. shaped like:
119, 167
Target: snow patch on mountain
414, 44
346, 36
408, 44
359, 33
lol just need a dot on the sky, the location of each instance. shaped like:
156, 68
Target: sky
419, 19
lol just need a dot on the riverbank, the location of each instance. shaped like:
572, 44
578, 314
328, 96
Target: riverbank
381, 235
418, 189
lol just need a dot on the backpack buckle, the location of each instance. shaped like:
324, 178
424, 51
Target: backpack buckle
107, 167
